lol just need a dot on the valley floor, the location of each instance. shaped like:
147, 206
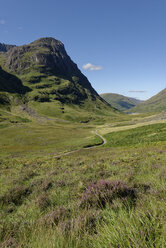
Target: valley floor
110, 196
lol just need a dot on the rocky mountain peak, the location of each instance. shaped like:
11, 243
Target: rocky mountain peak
47, 41
49, 73
48, 54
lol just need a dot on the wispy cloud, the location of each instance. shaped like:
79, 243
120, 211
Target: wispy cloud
91, 67
2, 22
20, 28
137, 91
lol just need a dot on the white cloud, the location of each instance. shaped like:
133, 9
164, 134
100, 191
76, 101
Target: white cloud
2, 22
91, 67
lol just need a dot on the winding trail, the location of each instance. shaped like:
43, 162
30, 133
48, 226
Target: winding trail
101, 137
104, 141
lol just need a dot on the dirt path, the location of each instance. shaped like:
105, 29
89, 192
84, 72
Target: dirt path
101, 137
86, 148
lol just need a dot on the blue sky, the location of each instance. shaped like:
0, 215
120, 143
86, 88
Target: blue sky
121, 43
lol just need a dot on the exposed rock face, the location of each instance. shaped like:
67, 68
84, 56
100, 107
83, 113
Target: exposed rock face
57, 58
5, 48
46, 52
50, 73
51, 55
16, 61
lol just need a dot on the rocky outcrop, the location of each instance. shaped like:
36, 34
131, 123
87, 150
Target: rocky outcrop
51, 56
47, 52
56, 58
16, 60
5, 48
47, 69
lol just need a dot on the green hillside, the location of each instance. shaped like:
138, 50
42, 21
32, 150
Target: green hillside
120, 102
10, 84
156, 103
51, 82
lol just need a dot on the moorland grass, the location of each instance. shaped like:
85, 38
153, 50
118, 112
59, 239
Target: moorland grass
110, 196
137, 136
22, 139
41, 199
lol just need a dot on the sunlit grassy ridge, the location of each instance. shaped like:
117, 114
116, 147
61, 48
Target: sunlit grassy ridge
156, 103
138, 136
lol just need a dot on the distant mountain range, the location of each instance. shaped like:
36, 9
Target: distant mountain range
156, 103
120, 102
44, 76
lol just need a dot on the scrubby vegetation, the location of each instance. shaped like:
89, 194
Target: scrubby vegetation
101, 197
144, 135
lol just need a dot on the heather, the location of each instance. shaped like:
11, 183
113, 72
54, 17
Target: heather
101, 197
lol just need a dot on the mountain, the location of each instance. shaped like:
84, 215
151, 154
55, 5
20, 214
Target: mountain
135, 100
54, 84
120, 102
5, 47
156, 103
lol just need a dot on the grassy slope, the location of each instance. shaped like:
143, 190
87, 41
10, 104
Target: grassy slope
37, 99
51, 94
156, 103
41, 195
38, 139
138, 136
11, 89
119, 102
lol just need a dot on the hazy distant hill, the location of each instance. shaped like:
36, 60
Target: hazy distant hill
120, 102
156, 103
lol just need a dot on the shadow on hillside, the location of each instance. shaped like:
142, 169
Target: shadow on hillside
12, 84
